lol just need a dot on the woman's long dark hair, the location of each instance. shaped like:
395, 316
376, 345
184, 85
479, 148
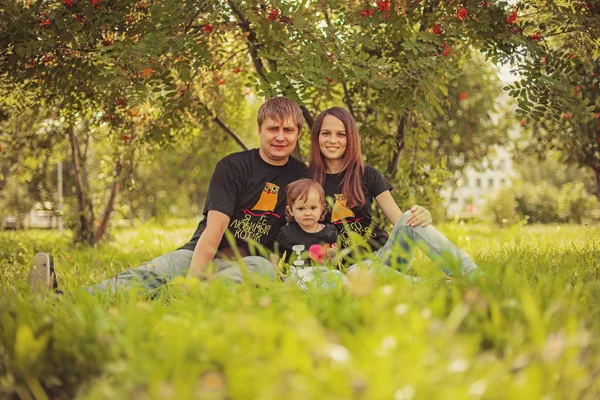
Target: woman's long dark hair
353, 166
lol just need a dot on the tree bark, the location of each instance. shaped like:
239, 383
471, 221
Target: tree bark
85, 232
84, 177
110, 206
392, 168
597, 176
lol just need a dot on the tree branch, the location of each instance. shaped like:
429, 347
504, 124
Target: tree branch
392, 168
348, 99
223, 126
253, 47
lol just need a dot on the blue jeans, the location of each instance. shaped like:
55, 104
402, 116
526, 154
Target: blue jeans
399, 250
161, 270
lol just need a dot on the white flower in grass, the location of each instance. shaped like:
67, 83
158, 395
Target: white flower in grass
405, 393
338, 352
401, 309
459, 365
478, 388
387, 290
426, 313
512, 303
388, 343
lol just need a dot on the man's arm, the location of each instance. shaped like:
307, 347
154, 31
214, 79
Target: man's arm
208, 243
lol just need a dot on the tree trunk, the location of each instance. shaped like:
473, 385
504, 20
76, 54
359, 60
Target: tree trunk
110, 206
597, 176
83, 156
85, 228
392, 168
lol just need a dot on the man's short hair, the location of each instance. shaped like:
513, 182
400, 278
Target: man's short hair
279, 109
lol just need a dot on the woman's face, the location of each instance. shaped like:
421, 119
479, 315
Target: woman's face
332, 138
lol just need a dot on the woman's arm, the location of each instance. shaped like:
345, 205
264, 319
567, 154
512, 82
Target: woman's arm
419, 216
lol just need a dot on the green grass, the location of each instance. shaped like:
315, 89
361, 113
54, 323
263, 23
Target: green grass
528, 330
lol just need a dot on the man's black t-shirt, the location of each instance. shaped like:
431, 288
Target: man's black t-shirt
297, 244
252, 193
360, 229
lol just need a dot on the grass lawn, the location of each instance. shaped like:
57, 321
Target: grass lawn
529, 329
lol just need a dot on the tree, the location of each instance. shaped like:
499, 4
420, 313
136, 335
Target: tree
558, 92
141, 72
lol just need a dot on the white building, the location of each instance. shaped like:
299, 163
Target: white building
467, 192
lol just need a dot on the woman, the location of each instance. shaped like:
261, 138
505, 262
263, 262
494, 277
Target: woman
336, 163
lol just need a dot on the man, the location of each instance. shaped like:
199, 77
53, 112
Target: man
244, 211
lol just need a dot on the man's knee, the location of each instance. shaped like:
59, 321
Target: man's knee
260, 265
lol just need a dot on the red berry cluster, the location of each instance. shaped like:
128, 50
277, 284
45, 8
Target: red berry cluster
447, 50
45, 21
512, 17
275, 15
383, 5
462, 13
367, 13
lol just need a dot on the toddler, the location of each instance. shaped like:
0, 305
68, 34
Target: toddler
306, 242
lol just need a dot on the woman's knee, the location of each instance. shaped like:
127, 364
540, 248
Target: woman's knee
402, 223
404, 218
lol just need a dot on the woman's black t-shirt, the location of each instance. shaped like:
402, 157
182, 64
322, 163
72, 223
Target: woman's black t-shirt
355, 225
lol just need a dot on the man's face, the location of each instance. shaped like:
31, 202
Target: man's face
277, 140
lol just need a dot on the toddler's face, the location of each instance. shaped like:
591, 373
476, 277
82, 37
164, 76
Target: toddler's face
308, 212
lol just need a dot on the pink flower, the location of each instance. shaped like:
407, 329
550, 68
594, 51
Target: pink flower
316, 253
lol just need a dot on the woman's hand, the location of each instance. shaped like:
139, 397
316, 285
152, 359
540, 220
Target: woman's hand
420, 216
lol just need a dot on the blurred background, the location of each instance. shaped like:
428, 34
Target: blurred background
115, 113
